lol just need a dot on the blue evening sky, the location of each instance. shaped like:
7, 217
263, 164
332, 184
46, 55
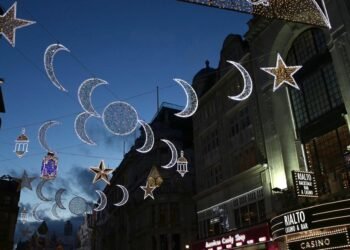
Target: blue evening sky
133, 45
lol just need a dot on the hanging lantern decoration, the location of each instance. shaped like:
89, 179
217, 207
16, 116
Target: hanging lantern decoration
49, 166
182, 164
154, 178
21, 146
23, 215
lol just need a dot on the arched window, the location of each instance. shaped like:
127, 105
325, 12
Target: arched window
319, 91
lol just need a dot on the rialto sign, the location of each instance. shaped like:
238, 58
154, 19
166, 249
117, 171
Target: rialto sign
305, 184
326, 215
295, 222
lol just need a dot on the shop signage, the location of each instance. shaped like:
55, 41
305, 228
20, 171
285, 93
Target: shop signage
305, 184
321, 216
335, 240
258, 234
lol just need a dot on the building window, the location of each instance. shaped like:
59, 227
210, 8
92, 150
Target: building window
319, 91
244, 210
325, 157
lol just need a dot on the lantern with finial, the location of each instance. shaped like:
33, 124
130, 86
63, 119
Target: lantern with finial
182, 164
23, 215
49, 166
21, 146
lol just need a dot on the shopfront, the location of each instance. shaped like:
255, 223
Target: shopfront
324, 226
257, 237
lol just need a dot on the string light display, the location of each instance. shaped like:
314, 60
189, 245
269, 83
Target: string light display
26, 182
101, 172
9, 23
21, 146
282, 73
182, 164
148, 190
301, 11
49, 166
49, 55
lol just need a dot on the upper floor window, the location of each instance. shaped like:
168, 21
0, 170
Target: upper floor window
319, 91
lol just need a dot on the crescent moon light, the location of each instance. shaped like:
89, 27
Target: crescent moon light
49, 55
35, 216
84, 94
42, 133
80, 128
125, 196
54, 211
192, 99
149, 138
248, 83
39, 191
58, 198
103, 201
173, 150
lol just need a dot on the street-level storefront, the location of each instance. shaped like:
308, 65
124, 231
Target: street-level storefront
324, 226
252, 238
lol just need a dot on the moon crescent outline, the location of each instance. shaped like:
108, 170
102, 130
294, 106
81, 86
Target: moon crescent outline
248, 83
35, 216
42, 133
85, 91
191, 99
149, 138
54, 211
58, 198
103, 202
125, 196
80, 128
173, 150
49, 56
39, 191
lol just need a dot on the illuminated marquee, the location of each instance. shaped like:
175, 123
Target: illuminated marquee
316, 217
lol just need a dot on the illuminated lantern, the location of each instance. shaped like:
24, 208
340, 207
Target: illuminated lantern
182, 164
23, 215
49, 166
154, 179
21, 146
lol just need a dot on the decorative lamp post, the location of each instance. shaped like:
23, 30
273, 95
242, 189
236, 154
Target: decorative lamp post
21, 146
182, 164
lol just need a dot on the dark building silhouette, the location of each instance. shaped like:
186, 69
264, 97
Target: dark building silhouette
68, 229
169, 221
9, 198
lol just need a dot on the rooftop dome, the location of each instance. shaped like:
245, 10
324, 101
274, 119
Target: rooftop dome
204, 79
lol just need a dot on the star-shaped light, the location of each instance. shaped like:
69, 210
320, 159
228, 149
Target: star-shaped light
282, 73
148, 190
9, 23
101, 172
26, 182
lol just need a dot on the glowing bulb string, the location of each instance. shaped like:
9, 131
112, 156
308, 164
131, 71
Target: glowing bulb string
59, 118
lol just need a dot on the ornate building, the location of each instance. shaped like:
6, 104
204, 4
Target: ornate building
247, 153
9, 198
166, 223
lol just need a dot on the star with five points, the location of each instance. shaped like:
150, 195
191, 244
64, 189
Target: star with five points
101, 172
282, 73
9, 23
26, 181
148, 190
